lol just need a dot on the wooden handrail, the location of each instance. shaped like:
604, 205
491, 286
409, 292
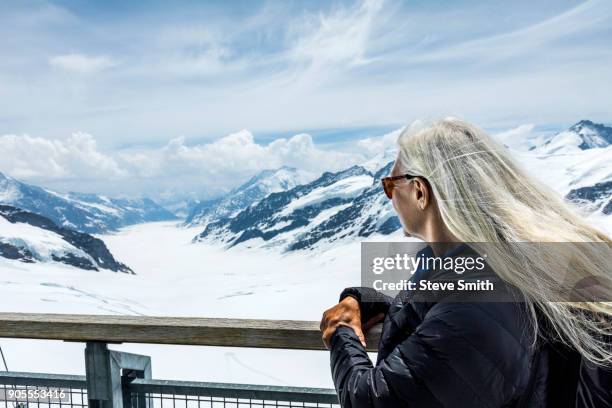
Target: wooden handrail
279, 334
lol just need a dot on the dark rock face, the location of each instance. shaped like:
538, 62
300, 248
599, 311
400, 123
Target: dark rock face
78, 261
607, 208
10, 251
92, 246
600, 194
592, 193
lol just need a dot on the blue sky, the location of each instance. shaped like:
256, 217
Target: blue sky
134, 75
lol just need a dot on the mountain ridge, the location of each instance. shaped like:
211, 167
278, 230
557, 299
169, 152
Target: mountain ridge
582, 135
256, 188
309, 214
31, 237
89, 213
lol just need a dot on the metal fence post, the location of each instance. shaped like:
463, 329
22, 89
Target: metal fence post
107, 371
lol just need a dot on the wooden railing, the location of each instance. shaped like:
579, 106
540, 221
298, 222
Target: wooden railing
280, 334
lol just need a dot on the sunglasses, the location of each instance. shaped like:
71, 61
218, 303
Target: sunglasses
388, 183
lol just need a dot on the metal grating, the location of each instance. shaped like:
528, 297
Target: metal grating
182, 394
192, 401
145, 393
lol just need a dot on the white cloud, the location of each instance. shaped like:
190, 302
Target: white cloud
227, 162
77, 157
337, 37
77, 164
83, 64
196, 69
549, 37
517, 133
388, 141
213, 60
520, 138
192, 51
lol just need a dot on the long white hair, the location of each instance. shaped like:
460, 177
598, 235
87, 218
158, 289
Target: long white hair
485, 197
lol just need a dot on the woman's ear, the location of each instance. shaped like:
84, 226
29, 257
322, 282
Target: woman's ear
422, 192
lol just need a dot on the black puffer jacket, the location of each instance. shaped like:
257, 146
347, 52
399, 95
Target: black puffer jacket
447, 354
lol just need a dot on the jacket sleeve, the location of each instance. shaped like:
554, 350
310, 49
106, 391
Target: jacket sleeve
359, 384
371, 301
456, 358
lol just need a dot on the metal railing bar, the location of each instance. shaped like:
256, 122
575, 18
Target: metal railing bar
42, 379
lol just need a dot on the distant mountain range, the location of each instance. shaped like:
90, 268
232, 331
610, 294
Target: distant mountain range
30, 237
333, 207
350, 204
249, 193
83, 212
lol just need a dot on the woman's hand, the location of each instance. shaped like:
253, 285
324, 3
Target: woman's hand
346, 313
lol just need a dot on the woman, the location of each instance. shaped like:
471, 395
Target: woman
452, 183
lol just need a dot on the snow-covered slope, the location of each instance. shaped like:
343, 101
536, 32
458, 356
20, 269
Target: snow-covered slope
249, 193
30, 238
84, 212
333, 207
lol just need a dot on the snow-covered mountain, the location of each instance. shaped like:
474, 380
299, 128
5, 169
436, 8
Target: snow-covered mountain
335, 206
249, 193
576, 163
84, 212
30, 238
583, 135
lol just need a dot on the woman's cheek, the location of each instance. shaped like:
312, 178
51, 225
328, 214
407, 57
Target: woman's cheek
403, 215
